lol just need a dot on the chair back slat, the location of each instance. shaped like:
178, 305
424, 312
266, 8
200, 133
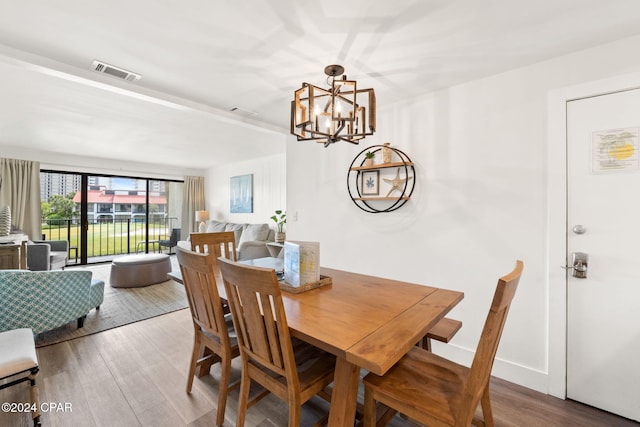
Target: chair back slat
271, 326
480, 371
199, 276
221, 243
259, 316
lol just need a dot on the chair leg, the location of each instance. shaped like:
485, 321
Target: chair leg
223, 389
194, 361
369, 419
35, 396
294, 412
243, 399
487, 412
81, 321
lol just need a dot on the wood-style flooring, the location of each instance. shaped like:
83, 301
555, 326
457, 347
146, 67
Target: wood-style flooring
135, 375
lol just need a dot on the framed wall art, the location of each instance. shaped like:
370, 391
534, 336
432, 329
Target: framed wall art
370, 183
241, 194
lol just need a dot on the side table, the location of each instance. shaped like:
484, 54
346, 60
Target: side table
15, 245
9, 256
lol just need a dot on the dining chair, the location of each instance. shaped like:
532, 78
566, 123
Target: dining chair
18, 364
224, 240
292, 370
435, 391
221, 243
211, 330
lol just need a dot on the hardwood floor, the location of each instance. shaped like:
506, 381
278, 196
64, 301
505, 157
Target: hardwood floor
136, 375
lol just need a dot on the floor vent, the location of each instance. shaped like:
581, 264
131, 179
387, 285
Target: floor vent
105, 68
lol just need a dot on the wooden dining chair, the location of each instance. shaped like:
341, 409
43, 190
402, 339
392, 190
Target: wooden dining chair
291, 369
435, 391
221, 243
225, 241
214, 337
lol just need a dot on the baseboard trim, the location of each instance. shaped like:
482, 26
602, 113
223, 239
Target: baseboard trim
504, 369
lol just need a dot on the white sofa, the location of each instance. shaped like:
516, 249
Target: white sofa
251, 239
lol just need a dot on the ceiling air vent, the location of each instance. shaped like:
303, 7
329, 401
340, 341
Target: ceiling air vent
102, 67
242, 111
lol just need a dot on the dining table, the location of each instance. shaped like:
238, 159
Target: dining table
367, 322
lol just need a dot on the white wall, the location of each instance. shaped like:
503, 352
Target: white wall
269, 189
481, 200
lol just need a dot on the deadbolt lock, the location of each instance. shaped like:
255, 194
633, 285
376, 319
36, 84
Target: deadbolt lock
579, 262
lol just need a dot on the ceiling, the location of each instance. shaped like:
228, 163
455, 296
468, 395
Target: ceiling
200, 58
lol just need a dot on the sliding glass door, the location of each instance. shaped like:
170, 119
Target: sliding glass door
107, 216
59, 194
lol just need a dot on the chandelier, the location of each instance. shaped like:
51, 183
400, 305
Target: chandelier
339, 113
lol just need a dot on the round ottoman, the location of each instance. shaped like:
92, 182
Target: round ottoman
133, 271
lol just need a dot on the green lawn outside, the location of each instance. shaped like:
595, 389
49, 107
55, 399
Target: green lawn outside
108, 238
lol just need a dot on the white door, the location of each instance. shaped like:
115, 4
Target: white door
603, 313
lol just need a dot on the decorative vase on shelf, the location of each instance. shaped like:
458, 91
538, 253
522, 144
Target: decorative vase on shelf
386, 153
280, 237
368, 158
5, 220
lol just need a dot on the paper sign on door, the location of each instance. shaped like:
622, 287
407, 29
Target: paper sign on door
615, 150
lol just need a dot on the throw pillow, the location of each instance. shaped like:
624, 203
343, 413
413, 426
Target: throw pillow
216, 226
254, 232
237, 230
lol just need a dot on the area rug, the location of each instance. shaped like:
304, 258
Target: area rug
121, 306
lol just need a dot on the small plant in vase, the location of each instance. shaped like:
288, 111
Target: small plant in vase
368, 158
280, 218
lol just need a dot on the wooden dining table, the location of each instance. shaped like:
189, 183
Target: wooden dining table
367, 322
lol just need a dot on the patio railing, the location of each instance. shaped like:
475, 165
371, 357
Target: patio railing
108, 239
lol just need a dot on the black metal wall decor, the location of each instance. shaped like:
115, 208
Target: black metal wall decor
381, 187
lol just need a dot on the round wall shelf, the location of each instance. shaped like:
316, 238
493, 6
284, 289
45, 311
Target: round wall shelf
381, 187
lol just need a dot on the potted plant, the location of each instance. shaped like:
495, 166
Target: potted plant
280, 218
368, 158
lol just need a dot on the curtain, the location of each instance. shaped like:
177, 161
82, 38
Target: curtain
20, 189
193, 201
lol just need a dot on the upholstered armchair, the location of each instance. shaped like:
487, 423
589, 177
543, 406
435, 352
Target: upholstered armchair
43, 255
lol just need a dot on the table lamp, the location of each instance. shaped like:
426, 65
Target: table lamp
202, 217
